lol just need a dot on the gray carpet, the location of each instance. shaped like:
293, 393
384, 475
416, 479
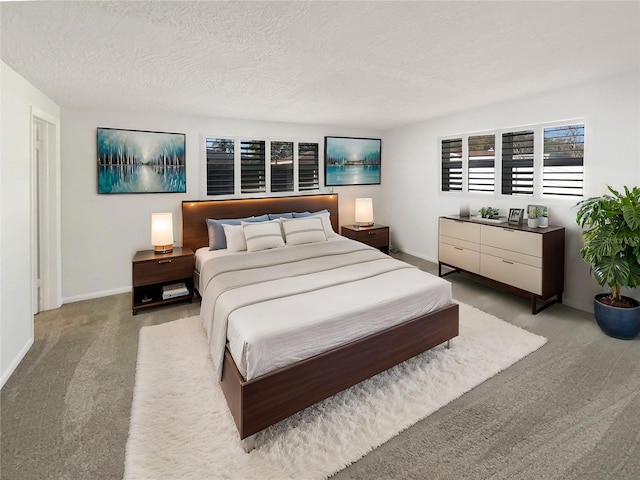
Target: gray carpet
571, 410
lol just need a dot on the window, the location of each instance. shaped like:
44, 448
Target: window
220, 166
542, 160
252, 166
308, 166
238, 166
282, 166
452, 165
517, 163
482, 156
563, 160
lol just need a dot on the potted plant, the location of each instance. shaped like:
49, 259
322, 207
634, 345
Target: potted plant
611, 234
489, 212
543, 219
532, 218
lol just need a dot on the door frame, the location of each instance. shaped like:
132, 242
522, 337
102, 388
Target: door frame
48, 190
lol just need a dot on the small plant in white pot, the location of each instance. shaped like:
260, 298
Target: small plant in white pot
543, 219
533, 216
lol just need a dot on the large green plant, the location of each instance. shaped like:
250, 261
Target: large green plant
611, 236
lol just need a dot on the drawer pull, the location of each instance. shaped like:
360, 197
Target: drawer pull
508, 229
507, 261
164, 261
459, 221
458, 248
371, 233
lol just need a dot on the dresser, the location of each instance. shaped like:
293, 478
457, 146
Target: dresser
528, 261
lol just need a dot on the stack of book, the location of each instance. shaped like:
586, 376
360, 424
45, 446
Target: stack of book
174, 290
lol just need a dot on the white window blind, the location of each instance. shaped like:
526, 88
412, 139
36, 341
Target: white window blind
563, 161
517, 163
220, 166
482, 157
281, 166
225, 156
308, 166
252, 166
452, 165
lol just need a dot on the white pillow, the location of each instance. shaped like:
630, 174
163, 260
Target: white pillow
326, 221
303, 230
263, 235
235, 238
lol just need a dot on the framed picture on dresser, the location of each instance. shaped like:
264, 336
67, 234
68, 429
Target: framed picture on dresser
515, 216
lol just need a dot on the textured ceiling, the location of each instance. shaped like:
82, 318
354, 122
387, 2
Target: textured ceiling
368, 64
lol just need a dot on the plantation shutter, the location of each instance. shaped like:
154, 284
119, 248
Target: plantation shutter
482, 156
252, 166
220, 165
563, 162
308, 166
517, 163
281, 166
452, 165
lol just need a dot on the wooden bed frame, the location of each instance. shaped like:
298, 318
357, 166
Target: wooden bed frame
258, 403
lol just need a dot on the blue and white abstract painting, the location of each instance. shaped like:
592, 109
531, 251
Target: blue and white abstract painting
351, 161
135, 161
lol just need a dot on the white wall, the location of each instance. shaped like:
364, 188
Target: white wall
16, 318
101, 233
413, 202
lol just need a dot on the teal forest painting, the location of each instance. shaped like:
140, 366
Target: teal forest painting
138, 161
351, 161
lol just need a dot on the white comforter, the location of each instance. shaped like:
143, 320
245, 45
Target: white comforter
279, 306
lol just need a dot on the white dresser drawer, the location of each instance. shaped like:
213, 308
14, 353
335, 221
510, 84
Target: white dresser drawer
512, 256
464, 258
514, 240
521, 276
457, 242
459, 229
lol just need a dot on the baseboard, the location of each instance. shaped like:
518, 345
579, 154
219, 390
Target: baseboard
92, 295
16, 361
420, 255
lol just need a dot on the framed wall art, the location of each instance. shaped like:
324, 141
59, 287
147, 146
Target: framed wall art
139, 161
351, 161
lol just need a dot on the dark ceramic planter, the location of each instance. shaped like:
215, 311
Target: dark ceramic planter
622, 323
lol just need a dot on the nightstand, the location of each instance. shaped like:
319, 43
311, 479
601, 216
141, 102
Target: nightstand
151, 271
375, 235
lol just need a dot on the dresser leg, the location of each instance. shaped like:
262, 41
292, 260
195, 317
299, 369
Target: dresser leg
534, 303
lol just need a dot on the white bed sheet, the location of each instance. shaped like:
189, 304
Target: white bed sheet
271, 334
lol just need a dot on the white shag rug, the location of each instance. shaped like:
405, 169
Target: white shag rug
181, 427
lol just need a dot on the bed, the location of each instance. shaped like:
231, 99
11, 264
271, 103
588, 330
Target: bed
259, 398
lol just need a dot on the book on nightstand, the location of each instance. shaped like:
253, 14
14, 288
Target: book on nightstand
174, 290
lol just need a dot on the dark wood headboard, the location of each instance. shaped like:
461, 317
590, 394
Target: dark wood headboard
196, 212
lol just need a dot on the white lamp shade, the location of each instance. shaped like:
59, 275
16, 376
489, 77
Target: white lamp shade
364, 211
162, 231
